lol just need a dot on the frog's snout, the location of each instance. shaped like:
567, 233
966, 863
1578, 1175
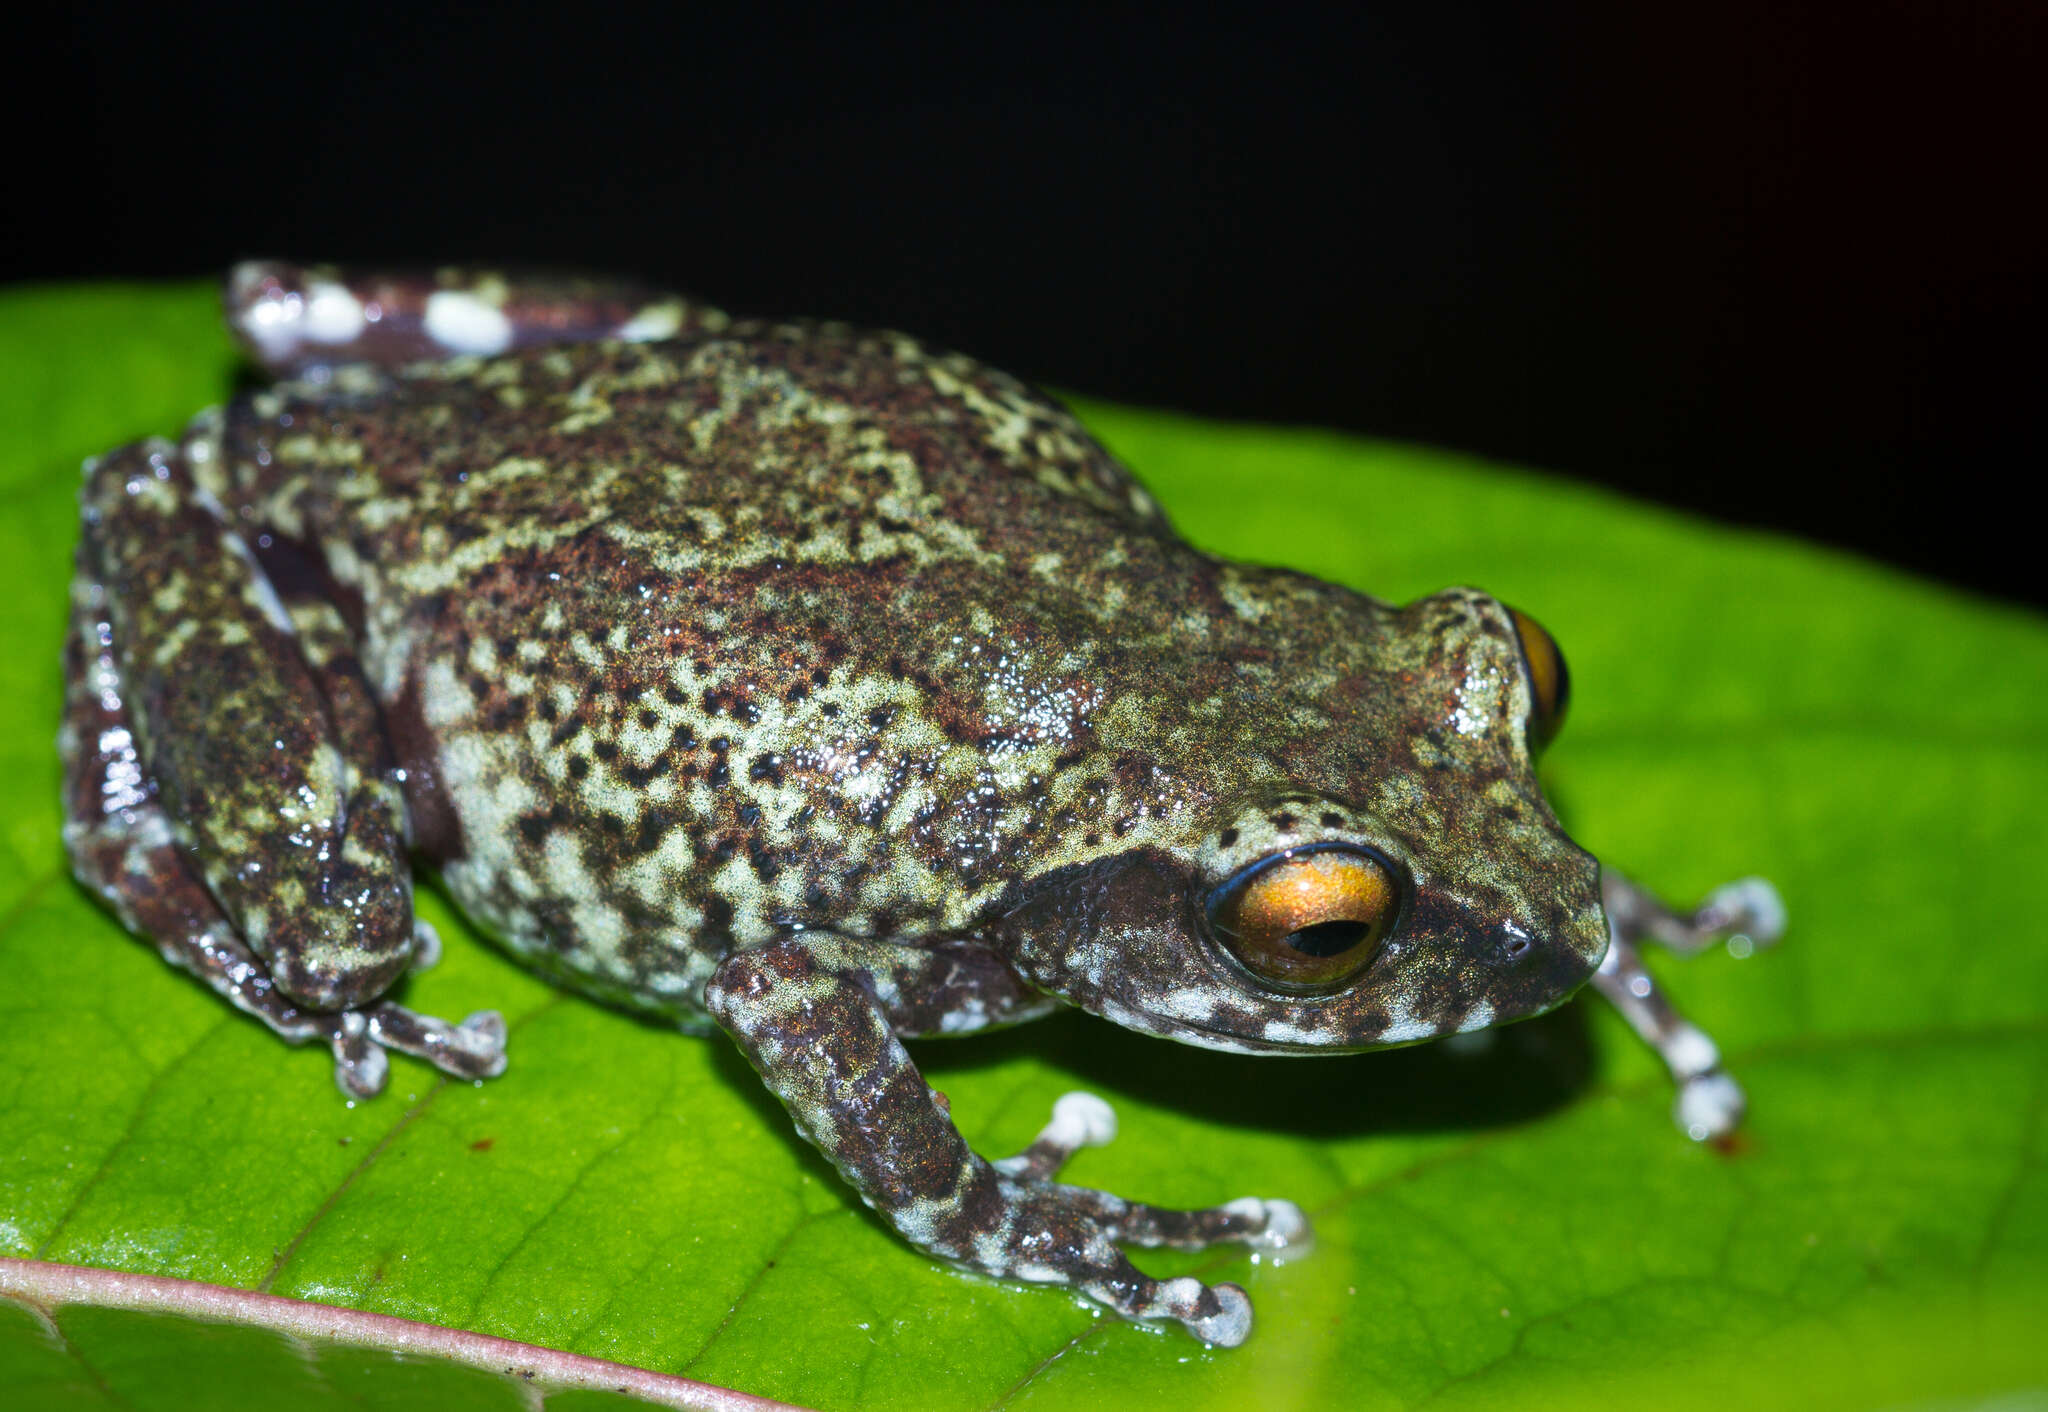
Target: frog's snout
1543, 970
1569, 960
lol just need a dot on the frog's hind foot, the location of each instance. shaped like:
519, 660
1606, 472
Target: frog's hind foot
1746, 914
130, 861
132, 864
474, 1049
358, 1039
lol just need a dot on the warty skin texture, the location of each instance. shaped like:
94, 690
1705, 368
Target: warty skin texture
788, 677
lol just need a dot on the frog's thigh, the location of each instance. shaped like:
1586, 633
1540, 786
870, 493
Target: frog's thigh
224, 795
818, 1015
291, 317
301, 844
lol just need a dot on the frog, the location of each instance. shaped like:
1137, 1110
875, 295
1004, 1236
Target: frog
802, 683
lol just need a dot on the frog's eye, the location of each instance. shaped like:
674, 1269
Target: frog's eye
1550, 681
1310, 918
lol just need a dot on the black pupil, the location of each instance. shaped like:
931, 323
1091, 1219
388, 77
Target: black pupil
1326, 939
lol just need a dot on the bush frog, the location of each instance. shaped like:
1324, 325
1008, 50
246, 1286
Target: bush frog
802, 682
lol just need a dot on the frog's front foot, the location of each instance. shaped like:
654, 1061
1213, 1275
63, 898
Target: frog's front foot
1082, 1120
1219, 1314
1745, 913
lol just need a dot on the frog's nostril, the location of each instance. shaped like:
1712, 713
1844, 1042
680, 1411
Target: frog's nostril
1518, 943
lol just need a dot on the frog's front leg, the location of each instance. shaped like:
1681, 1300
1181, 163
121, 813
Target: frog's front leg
224, 788
1709, 1102
820, 1017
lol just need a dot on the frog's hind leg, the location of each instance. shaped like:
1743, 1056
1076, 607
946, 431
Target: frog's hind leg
218, 794
1709, 1103
296, 318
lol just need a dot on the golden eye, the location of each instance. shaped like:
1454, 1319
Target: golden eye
1312, 918
1550, 681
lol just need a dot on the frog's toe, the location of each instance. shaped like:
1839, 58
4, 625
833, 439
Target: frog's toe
1258, 1222
1272, 1224
1217, 1314
484, 1032
474, 1049
1081, 1120
360, 1067
1078, 1120
1748, 907
1708, 1106
426, 946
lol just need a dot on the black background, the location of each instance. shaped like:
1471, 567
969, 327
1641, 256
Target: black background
1776, 261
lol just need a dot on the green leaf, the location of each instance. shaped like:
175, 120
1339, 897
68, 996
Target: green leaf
1524, 1226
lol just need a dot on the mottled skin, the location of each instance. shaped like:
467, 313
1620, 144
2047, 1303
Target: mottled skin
794, 678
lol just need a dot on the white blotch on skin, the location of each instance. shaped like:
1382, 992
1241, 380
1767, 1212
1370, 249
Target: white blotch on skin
964, 1018
1288, 1032
272, 321
124, 787
1187, 1003
655, 322
1404, 1025
332, 315
1406, 1030
1474, 711
444, 697
464, 323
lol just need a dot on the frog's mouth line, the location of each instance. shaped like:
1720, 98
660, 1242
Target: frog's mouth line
1209, 1037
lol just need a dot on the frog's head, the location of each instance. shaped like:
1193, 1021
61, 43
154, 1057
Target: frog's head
1404, 878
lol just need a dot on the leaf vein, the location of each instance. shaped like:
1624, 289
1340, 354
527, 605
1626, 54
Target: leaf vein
391, 1134
769, 1262
128, 1130
583, 1174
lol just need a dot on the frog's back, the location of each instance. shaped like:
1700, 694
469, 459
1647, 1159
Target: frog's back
708, 638
785, 443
